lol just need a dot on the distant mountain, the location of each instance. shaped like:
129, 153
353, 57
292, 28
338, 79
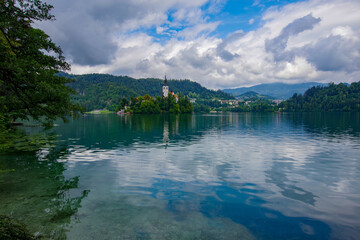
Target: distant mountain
276, 90
100, 91
251, 95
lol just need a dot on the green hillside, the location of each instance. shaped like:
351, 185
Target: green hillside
253, 96
335, 97
100, 91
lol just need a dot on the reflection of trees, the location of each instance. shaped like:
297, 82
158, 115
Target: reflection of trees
15, 140
34, 190
327, 123
110, 131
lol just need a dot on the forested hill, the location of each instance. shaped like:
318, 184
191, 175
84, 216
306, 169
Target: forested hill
253, 96
334, 97
99, 91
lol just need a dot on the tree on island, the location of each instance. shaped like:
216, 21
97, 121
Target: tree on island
147, 104
123, 103
29, 61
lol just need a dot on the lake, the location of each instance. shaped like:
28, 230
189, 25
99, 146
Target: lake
200, 176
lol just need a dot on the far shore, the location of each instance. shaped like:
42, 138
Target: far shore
102, 111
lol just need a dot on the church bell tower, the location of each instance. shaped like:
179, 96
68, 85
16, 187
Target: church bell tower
165, 88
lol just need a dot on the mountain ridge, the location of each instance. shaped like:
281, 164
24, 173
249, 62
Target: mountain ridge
277, 90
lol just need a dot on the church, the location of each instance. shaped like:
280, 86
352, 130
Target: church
165, 91
165, 88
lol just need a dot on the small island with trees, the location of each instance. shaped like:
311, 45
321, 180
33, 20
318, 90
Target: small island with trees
147, 104
168, 102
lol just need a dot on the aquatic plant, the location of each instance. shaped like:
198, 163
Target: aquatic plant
10, 229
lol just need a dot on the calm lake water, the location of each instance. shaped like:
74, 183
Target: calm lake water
211, 176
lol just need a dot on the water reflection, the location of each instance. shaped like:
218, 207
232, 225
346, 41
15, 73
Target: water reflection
333, 124
36, 191
111, 131
277, 175
224, 176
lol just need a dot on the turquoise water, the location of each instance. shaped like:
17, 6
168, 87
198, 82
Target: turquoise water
211, 176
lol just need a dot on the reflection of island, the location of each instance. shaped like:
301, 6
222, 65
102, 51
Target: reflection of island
166, 133
111, 131
37, 193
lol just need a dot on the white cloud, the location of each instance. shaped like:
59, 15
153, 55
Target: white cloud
345, 32
327, 50
299, 68
199, 29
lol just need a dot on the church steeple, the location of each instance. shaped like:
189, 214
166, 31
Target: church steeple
165, 88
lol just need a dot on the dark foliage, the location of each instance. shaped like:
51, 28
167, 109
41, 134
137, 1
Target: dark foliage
147, 104
201, 108
335, 97
29, 61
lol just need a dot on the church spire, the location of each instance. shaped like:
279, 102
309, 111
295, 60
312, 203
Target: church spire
165, 88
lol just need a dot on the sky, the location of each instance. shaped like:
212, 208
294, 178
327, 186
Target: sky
217, 43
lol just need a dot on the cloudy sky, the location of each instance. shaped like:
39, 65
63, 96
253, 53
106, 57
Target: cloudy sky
218, 43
